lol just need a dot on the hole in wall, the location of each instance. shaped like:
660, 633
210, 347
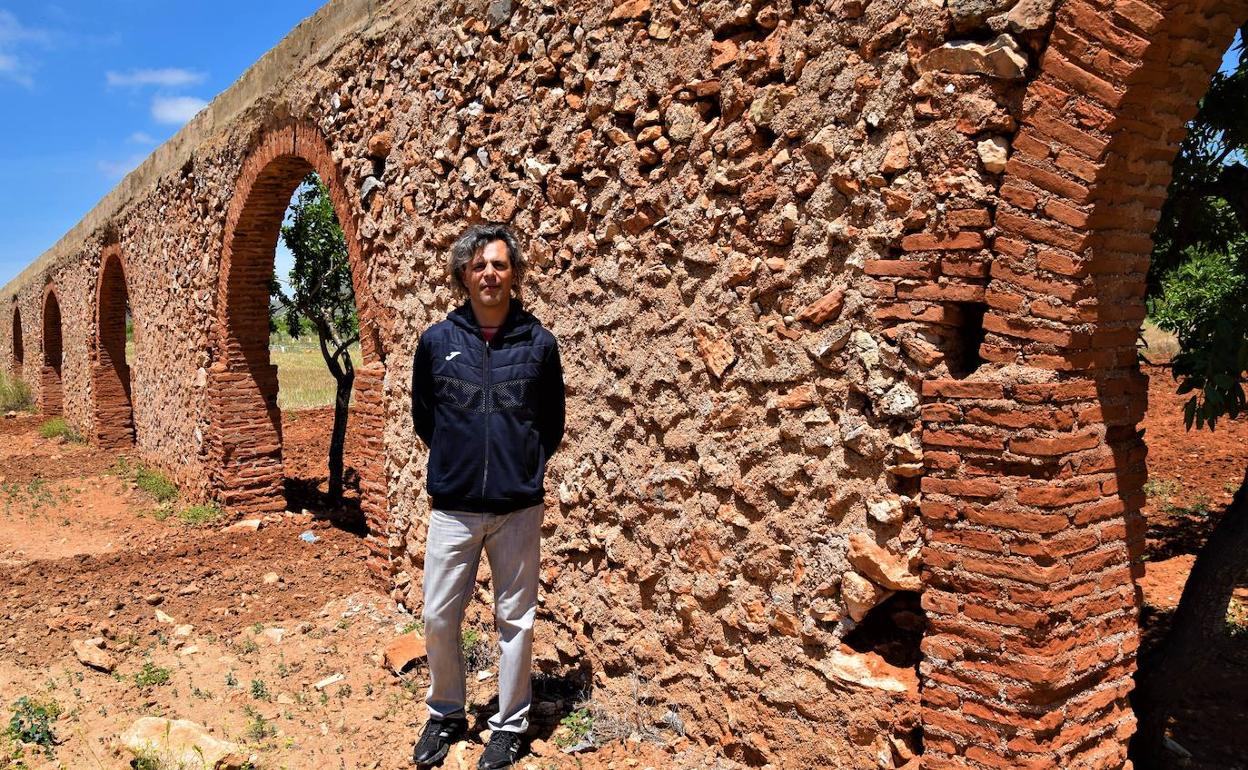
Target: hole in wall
963, 356
892, 629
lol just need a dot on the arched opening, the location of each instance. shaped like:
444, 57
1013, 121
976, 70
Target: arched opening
19, 347
51, 396
110, 373
245, 439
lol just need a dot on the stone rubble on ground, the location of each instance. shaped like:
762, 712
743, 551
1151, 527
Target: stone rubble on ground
91, 653
182, 743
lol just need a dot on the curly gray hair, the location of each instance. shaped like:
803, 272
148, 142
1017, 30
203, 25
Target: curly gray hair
475, 239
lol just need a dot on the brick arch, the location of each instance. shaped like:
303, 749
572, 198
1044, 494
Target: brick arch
110, 372
1033, 528
19, 348
245, 429
51, 393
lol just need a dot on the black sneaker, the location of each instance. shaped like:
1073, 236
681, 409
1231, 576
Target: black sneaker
501, 751
436, 740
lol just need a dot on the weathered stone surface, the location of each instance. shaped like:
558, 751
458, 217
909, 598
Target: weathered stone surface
379, 144
900, 401
968, 14
245, 525
868, 669
1001, 58
897, 156
630, 9
826, 308
715, 349
993, 153
889, 570
860, 595
182, 743
1026, 16
886, 511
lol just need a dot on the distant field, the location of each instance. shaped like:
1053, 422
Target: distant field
302, 379
1159, 346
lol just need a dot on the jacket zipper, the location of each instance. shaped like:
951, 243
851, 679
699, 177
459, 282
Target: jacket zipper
485, 396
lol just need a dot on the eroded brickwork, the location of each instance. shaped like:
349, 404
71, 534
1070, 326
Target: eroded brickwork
846, 301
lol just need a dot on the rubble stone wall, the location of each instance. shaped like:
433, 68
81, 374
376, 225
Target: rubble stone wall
846, 294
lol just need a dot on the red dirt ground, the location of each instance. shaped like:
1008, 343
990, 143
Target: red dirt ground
1192, 477
244, 623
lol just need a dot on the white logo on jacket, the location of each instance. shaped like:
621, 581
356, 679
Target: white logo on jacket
452, 355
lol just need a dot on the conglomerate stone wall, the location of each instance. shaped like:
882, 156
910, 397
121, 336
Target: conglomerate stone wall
814, 268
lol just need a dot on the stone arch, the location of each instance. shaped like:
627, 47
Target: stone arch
1032, 607
51, 393
245, 424
110, 373
19, 347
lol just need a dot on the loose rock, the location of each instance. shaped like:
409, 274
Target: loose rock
180, 742
91, 653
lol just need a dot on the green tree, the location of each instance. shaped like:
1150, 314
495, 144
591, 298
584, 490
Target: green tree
320, 295
1198, 289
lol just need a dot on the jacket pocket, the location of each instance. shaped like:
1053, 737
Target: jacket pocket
451, 471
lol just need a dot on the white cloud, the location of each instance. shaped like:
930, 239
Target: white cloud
176, 109
141, 137
169, 77
13, 31
14, 35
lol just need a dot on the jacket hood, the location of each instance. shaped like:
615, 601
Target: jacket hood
518, 319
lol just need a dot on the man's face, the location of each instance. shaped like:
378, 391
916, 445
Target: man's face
488, 276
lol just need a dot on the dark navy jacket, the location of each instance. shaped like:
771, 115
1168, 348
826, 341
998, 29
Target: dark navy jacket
491, 415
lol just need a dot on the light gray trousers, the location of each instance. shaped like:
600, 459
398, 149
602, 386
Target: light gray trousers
512, 543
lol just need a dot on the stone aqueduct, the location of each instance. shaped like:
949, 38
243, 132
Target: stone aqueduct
848, 292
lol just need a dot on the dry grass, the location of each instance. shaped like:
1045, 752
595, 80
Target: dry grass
14, 395
302, 379
1159, 346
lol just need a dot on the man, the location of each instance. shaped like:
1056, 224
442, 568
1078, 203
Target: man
488, 401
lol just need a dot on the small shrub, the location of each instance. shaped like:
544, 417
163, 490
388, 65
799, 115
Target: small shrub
15, 395
259, 690
414, 625
258, 728
478, 652
57, 427
150, 481
151, 675
201, 515
147, 760
1156, 487
32, 722
155, 484
578, 725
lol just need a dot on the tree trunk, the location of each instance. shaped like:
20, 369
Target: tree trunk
1197, 631
338, 438
338, 361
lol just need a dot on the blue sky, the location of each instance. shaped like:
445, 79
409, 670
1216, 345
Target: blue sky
89, 89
